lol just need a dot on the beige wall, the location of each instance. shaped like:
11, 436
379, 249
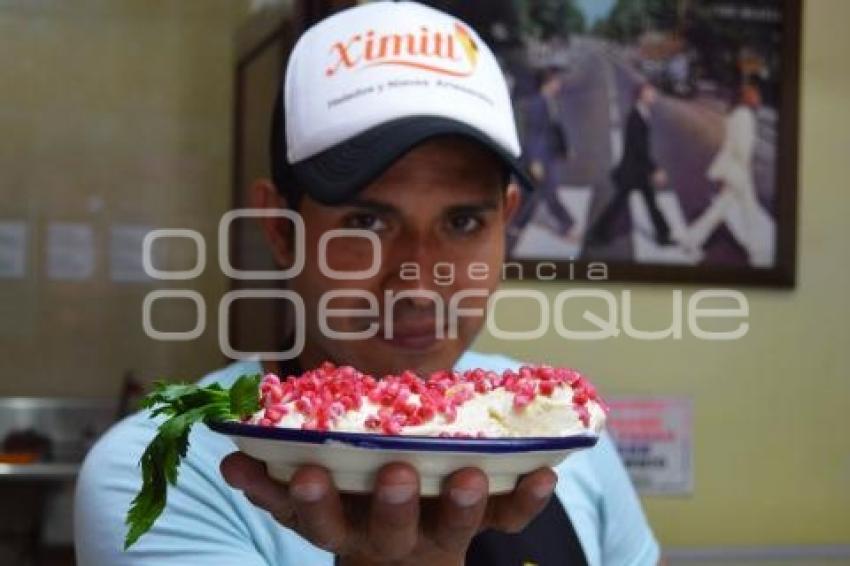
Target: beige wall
110, 112
772, 453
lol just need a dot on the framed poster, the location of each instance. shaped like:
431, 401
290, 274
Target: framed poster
662, 134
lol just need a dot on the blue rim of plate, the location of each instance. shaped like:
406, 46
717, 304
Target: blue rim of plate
417, 443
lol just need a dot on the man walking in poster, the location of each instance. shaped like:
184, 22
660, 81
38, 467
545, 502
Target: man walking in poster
636, 171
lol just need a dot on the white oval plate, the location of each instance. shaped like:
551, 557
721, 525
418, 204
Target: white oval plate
353, 459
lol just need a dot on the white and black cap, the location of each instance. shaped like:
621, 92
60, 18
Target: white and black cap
368, 84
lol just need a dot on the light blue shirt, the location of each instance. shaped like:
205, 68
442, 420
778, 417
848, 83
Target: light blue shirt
206, 522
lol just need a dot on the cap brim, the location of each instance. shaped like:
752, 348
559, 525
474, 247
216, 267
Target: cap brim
336, 175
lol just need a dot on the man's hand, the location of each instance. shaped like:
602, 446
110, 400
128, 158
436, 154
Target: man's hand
659, 178
393, 525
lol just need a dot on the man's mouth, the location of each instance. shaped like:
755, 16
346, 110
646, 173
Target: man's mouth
421, 335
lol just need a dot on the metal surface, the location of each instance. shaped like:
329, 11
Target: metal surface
43, 471
71, 424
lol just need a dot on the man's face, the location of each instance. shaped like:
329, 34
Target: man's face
648, 95
438, 212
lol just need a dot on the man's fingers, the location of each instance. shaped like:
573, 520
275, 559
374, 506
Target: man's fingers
312, 502
512, 512
461, 509
394, 517
318, 507
249, 475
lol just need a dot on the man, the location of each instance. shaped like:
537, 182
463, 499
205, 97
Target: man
732, 170
379, 141
546, 148
636, 171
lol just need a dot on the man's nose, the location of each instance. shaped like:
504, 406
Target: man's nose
412, 267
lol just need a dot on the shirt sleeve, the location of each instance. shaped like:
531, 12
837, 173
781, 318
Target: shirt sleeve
604, 508
195, 526
625, 538
204, 522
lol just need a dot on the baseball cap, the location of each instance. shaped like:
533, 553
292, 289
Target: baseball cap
366, 85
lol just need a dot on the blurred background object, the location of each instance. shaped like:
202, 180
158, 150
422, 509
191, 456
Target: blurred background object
44, 442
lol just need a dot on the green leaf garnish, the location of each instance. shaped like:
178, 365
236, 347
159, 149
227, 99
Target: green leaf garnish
184, 405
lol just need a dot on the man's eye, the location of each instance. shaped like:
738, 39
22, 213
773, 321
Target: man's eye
365, 221
465, 223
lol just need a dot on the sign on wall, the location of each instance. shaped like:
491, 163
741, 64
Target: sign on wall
654, 437
13, 249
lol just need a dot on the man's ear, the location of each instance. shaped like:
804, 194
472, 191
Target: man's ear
512, 201
278, 231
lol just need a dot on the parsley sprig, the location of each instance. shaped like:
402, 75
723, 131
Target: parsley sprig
183, 405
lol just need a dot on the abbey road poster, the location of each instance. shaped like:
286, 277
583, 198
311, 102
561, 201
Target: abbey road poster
660, 134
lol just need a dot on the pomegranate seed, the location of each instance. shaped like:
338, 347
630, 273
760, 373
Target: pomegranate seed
580, 397
273, 415
271, 379
547, 388
302, 405
391, 427
409, 376
348, 372
276, 392
545, 372
525, 387
521, 401
400, 407
413, 420
425, 412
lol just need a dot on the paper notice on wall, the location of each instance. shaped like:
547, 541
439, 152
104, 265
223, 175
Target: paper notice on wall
125, 253
70, 251
654, 437
13, 249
